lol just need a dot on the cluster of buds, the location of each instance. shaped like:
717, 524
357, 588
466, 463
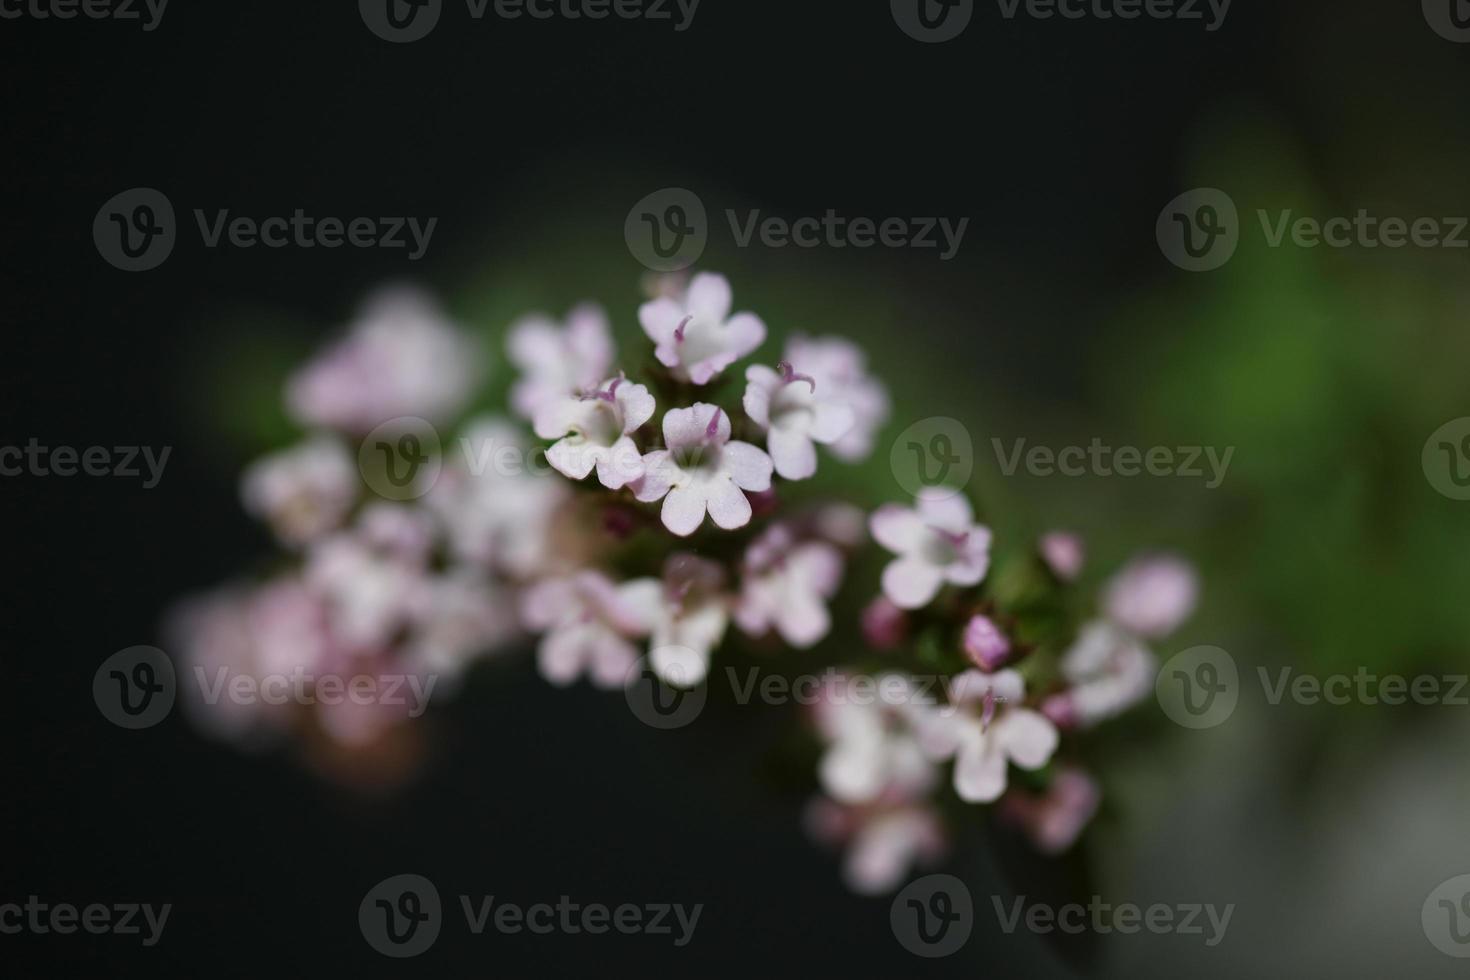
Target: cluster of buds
657, 513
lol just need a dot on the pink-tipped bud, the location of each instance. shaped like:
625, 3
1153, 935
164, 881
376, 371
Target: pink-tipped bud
985, 645
1063, 553
885, 626
1059, 710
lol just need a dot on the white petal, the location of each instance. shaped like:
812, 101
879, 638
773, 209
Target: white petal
660, 318
744, 333
709, 297
910, 583
728, 507
637, 405
684, 509
979, 770
573, 459
793, 454
620, 464
679, 666
761, 382
747, 465
898, 529
659, 473
1027, 737
832, 421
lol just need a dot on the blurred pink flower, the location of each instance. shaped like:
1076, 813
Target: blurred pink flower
1151, 596
695, 336
589, 622
787, 583
1063, 553
884, 841
701, 471
1055, 819
885, 626
937, 543
400, 358
871, 727
687, 619
594, 430
839, 370
558, 361
1109, 671
302, 492
796, 415
985, 730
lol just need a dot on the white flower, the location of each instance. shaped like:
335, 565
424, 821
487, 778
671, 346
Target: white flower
557, 362
701, 471
401, 358
463, 615
370, 592
1109, 671
871, 731
589, 622
302, 492
695, 336
498, 511
795, 414
985, 730
687, 619
839, 371
787, 584
937, 543
883, 841
595, 429
1151, 596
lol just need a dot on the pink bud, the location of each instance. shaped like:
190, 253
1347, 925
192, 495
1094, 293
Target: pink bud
1063, 553
986, 646
885, 626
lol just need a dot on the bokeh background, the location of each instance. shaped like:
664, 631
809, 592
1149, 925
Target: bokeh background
1325, 549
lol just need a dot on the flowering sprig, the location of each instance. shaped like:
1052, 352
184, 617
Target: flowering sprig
663, 527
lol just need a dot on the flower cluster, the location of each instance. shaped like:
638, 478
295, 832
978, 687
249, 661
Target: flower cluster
657, 515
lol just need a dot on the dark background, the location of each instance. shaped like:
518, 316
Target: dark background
1060, 140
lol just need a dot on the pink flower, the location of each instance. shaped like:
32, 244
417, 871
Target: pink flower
839, 369
1109, 672
884, 841
1055, 819
589, 622
371, 592
595, 429
702, 471
1151, 596
787, 584
1063, 553
401, 358
303, 492
985, 645
695, 336
795, 414
687, 618
461, 616
985, 731
558, 362
497, 509
937, 543
871, 725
